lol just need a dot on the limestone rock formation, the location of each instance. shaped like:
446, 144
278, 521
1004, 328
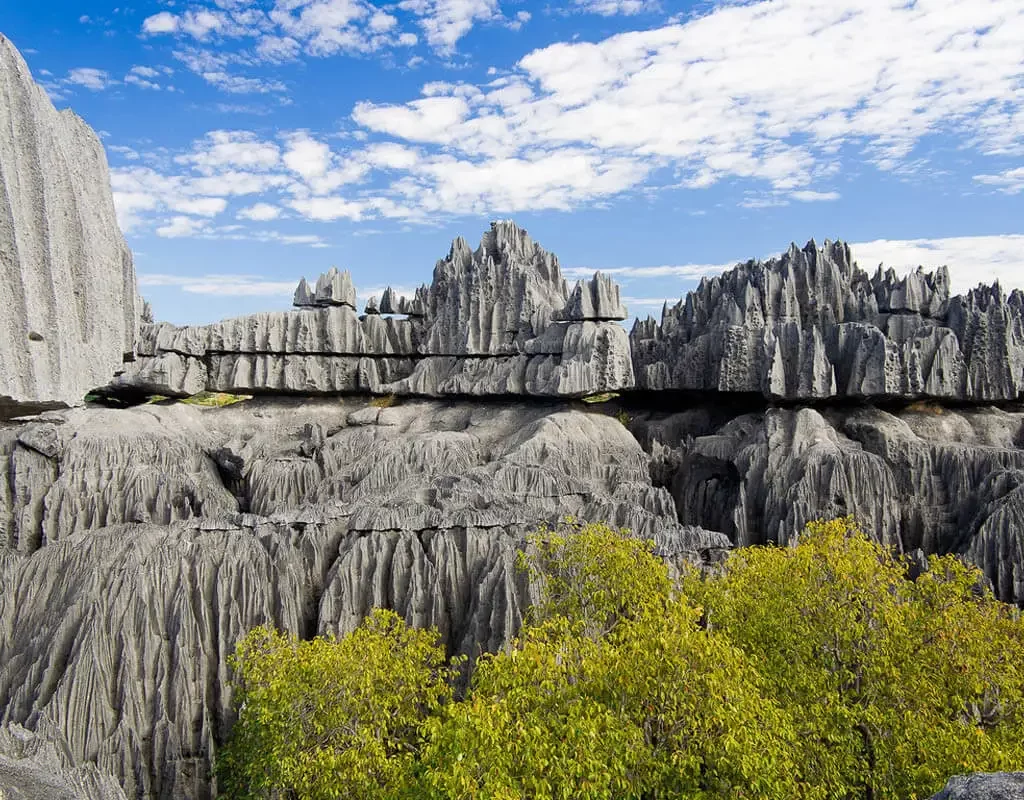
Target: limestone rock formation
928, 478
498, 320
984, 786
812, 325
34, 767
67, 284
138, 545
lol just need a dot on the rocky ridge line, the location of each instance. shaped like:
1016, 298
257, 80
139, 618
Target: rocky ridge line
498, 320
812, 325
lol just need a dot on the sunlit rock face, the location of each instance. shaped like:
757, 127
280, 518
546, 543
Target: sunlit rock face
137, 546
67, 284
497, 320
813, 325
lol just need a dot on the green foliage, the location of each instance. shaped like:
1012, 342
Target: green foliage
215, 399
384, 401
818, 671
893, 684
332, 718
603, 397
623, 417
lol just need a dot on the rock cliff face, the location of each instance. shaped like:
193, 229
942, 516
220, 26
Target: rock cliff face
498, 320
67, 284
142, 543
812, 325
923, 478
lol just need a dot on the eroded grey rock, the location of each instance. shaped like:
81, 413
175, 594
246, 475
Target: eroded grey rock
497, 320
812, 325
141, 544
37, 765
67, 283
984, 786
931, 478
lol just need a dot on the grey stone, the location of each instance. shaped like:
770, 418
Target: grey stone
335, 288
304, 296
984, 786
138, 545
596, 299
812, 325
37, 765
490, 323
371, 306
67, 283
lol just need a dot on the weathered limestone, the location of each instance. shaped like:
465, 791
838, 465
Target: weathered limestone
812, 325
932, 479
67, 284
498, 320
984, 786
38, 766
138, 545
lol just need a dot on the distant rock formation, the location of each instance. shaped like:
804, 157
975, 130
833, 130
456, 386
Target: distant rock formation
137, 546
67, 284
812, 325
498, 320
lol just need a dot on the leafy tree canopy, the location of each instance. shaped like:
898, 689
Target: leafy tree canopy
816, 671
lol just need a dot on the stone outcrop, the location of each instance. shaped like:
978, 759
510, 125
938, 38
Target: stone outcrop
498, 320
38, 766
984, 786
812, 325
927, 478
137, 546
67, 284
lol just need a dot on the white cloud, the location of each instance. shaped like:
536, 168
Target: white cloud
222, 284
200, 206
178, 227
710, 98
444, 22
809, 196
164, 22
608, 8
306, 156
260, 212
327, 209
971, 259
242, 149
1009, 182
684, 271
95, 79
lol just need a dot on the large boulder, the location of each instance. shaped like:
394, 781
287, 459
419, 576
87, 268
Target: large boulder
67, 283
984, 786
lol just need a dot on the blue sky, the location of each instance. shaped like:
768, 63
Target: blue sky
255, 141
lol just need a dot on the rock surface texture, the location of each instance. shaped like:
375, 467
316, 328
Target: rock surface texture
67, 284
812, 325
137, 546
498, 320
925, 477
984, 786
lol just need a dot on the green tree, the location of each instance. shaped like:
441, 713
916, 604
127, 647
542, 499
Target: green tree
332, 718
612, 691
893, 684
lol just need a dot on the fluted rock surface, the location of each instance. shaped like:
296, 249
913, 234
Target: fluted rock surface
137, 546
812, 325
498, 320
925, 478
67, 284
39, 766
